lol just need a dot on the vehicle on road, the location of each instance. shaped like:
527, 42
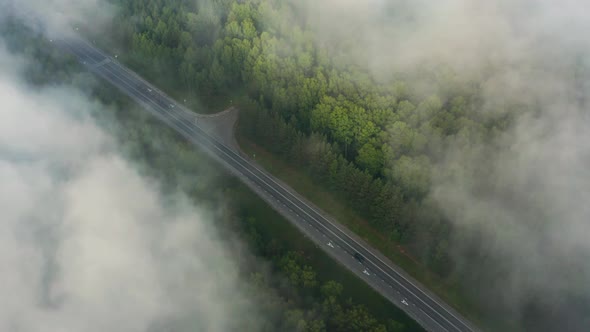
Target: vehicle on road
405, 302
366, 272
359, 257
330, 244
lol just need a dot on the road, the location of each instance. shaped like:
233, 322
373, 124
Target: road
429, 311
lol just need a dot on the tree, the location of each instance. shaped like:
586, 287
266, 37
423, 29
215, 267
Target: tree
402, 140
295, 319
412, 174
370, 158
308, 277
331, 289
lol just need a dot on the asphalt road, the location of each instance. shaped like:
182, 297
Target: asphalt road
429, 311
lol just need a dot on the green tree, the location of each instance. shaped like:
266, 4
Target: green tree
370, 158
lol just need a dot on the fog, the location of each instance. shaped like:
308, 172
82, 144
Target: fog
63, 15
523, 195
89, 244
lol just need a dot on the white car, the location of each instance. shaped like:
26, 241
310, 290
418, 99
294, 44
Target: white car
405, 302
171, 105
330, 244
366, 272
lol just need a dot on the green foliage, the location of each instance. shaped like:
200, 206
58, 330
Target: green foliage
292, 295
372, 144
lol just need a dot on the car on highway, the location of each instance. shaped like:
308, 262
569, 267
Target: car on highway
359, 257
405, 302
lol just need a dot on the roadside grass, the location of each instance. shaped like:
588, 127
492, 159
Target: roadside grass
326, 201
273, 226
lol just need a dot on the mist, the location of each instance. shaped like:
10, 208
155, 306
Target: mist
87, 243
62, 16
518, 196
521, 195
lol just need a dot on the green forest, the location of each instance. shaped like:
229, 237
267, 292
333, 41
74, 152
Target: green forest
466, 178
294, 295
372, 144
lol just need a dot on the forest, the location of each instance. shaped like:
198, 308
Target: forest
376, 144
371, 143
295, 299
294, 296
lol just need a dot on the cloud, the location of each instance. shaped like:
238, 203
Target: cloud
522, 195
524, 198
86, 242
60, 16
398, 38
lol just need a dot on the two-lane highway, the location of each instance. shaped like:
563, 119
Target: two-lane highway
430, 312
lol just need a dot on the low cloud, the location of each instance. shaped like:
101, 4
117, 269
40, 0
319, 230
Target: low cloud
61, 16
396, 37
86, 242
521, 197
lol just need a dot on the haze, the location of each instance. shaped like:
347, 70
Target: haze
87, 243
522, 194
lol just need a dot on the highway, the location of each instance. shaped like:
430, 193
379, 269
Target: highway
430, 312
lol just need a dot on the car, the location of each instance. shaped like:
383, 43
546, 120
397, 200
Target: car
171, 105
405, 302
359, 257
330, 244
366, 272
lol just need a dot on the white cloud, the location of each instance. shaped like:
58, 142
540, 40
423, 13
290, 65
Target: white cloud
524, 193
86, 243
60, 16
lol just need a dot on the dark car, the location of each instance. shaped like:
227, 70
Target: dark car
359, 257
